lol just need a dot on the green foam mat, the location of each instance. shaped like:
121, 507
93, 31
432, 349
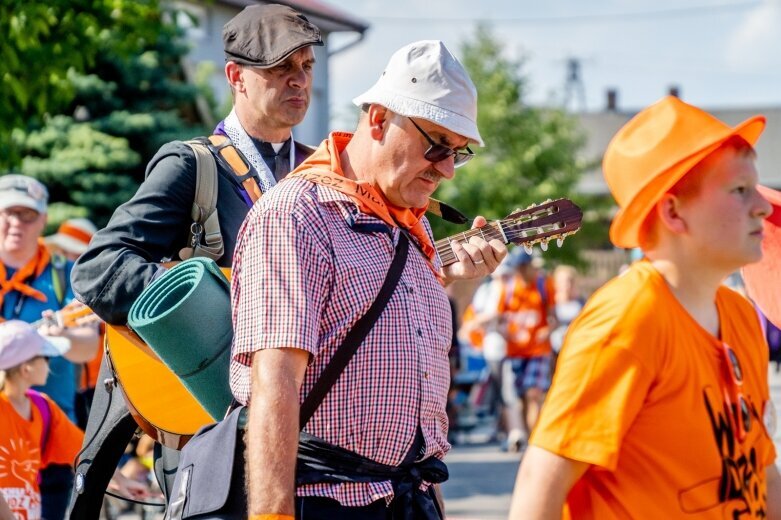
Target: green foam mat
185, 318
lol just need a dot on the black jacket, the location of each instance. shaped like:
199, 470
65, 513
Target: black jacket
123, 258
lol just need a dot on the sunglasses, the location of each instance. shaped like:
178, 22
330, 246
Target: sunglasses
439, 152
736, 402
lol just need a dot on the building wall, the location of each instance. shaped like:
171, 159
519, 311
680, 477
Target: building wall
601, 126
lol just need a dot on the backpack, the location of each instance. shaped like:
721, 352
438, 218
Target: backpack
46, 415
205, 238
39, 401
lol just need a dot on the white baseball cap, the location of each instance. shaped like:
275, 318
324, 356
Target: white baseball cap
424, 80
20, 342
20, 190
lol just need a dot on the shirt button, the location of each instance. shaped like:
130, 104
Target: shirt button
419, 333
410, 290
425, 375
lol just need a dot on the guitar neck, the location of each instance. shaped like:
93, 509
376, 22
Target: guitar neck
492, 230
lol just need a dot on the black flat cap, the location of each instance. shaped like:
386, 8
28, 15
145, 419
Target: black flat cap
264, 35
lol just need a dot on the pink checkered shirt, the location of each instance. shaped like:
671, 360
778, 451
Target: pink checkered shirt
303, 274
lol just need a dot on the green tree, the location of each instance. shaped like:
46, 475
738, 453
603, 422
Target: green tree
46, 43
530, 153
123, 107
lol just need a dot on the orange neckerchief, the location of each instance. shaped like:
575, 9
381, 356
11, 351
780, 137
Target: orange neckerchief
324, 167
31, 269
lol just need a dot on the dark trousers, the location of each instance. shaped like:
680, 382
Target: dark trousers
56, 487
318, 508
110, 428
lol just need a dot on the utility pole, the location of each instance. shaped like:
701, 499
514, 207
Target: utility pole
574, 88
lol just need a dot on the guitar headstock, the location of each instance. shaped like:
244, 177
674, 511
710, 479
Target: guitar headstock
541, 223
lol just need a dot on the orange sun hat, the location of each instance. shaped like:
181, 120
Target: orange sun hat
654, 150
763, 279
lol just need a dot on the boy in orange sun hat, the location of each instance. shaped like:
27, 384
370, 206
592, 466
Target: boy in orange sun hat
656, 408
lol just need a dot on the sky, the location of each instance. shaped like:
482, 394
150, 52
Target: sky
722, 53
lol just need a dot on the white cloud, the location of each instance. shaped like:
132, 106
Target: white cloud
753, 46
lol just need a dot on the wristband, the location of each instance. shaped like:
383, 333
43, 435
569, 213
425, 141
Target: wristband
272, 516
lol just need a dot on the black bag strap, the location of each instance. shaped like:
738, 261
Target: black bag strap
357, 334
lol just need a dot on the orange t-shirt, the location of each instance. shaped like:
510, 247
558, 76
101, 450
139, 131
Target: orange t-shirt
524, 315
639, 394
21, 458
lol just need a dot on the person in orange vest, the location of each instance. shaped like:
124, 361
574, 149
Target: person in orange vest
514, 322
660, 406
524, 307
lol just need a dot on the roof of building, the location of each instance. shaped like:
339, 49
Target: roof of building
327, 17
600, 127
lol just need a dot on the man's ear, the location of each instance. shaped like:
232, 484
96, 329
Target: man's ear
668, 209
234, 75
378, 117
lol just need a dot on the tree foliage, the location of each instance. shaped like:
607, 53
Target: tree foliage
47, 43
530, 153
90, 142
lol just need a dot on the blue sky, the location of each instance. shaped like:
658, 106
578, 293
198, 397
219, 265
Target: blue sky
720, 53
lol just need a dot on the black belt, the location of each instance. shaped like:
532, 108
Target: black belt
320, 462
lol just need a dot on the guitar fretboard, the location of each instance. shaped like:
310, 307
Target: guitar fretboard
490, 231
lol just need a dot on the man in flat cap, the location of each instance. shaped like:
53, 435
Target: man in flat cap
269, 64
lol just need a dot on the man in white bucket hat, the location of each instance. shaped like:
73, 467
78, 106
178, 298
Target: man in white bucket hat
311, 259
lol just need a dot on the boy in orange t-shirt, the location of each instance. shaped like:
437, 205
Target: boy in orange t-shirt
660, 405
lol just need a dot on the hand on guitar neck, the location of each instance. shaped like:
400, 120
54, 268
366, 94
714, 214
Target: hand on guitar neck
478, 251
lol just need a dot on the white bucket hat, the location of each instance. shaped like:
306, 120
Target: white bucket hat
424, 80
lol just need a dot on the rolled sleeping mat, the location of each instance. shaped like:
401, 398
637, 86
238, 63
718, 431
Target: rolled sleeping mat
185, 318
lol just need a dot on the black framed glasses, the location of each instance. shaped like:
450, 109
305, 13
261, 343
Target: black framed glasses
439, 152
741, 413
23, 215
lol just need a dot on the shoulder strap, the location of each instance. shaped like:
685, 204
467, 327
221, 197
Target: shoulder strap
59, 278
357, 334
205, 236
225, 152
46, 414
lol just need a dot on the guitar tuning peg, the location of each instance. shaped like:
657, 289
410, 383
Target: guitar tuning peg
544, 245
560, 241
528, 248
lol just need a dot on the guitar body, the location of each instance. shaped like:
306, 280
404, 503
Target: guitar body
160, 404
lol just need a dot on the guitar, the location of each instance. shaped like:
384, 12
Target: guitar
167, 412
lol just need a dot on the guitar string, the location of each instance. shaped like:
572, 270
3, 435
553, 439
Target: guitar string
443, 246
447, 256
